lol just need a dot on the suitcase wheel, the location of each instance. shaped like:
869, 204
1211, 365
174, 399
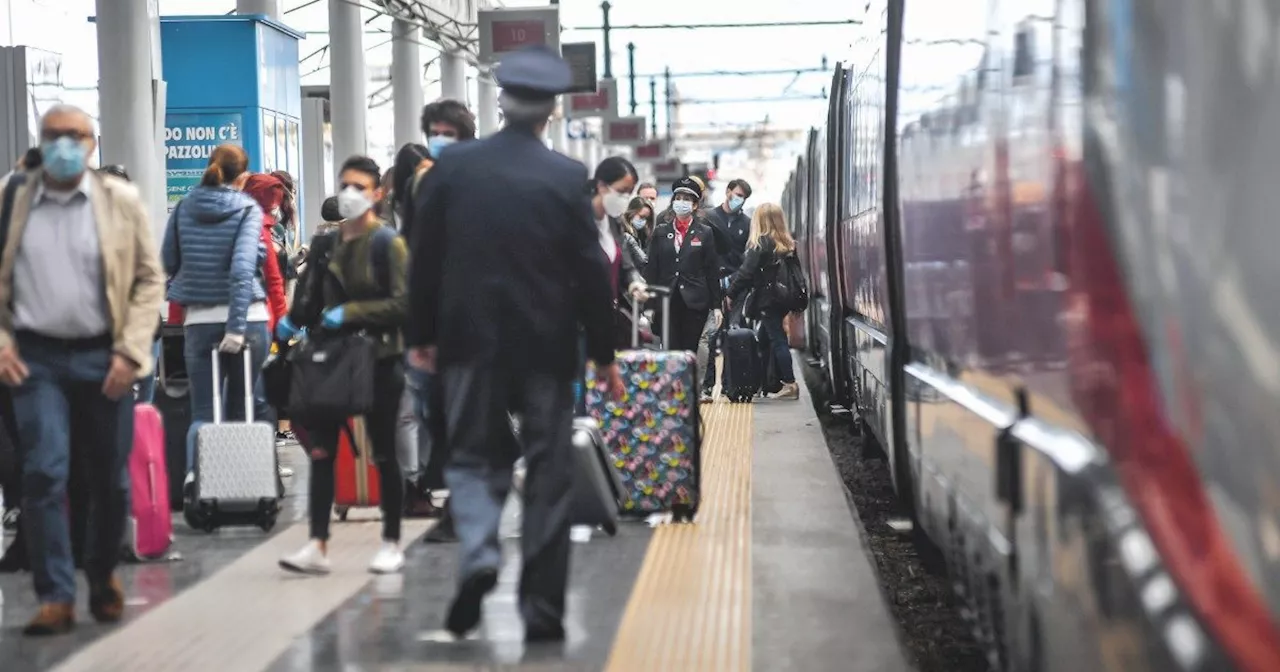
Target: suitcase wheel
681, 513
267, 521
342, 512
610, 529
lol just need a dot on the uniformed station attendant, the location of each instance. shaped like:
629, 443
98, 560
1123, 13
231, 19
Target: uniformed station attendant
682, 255
507, 261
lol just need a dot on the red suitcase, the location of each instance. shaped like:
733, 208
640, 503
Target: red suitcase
355, 473
150, 526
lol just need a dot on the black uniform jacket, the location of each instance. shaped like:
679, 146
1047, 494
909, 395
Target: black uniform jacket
694, 269
506, 259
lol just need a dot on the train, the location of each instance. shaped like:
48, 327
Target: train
1040, 238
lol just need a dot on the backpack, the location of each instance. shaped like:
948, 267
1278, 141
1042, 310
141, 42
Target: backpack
788, 287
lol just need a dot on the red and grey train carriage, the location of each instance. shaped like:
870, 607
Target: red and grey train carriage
1040, 237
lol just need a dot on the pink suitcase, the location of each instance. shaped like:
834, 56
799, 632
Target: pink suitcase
150, 526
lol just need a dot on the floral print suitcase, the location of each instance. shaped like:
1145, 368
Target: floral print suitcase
654, 433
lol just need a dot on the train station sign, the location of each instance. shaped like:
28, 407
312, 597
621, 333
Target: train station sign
668, 170
503, 31
654, 150
602, 103
628, 131
581, 57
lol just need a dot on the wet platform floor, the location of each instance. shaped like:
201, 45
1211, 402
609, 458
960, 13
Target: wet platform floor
773, 576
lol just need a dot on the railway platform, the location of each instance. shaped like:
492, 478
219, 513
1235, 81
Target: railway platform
774, 575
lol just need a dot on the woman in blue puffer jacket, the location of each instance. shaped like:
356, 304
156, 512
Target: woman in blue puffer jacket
225, 302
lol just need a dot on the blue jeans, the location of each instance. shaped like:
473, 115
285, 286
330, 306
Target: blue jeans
413, 439
147, 384
66, 382
201, 341
778, 346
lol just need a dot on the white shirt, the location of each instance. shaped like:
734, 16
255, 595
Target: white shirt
607, 243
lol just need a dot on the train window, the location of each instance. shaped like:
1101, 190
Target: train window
1024, 53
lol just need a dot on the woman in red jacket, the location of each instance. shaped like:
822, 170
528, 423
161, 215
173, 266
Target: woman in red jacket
269, 192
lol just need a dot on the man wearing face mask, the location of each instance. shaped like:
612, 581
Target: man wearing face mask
357, 283
444, 123
732, 228
682, 255
80, 292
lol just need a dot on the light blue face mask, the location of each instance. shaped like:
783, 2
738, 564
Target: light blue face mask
638, 222
63, 158
735, 203
682, 208
437, 143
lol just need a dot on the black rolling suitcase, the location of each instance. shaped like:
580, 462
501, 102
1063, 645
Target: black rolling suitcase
173, 400
741, 355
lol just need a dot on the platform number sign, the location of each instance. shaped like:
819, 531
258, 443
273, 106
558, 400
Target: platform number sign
512, 35
503, 31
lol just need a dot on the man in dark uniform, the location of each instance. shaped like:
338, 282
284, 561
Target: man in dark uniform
507, 264
683, 256
732, 227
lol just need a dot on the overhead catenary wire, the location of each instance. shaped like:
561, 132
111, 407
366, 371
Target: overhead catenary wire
699, 26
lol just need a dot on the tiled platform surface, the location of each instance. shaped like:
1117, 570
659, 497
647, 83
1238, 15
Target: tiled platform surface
773, 576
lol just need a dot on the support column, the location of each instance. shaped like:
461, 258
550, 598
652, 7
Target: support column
269, 7
556, 131
125, 97
453, 75
406, 82
346, 83
487, 106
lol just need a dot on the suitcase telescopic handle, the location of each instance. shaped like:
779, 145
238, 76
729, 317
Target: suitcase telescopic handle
665, 293
217, 386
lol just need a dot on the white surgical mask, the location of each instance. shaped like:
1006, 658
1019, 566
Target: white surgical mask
352, 203
682, 208
615, 204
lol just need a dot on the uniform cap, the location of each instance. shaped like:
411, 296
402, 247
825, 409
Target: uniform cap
533, 73
687, 185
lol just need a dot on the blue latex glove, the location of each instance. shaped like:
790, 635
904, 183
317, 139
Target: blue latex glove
724, 283
332, 318
285, 330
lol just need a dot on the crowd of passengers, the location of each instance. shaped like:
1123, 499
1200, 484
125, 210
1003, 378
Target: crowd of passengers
82, 284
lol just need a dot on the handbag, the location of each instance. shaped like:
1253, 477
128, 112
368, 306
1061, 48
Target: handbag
331, 376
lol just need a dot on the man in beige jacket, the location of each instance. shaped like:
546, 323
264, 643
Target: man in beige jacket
80, 293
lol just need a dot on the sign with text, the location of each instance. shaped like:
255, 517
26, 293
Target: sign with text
669, 170
503, 31
189, 140
628, 131
581, 57
655, 150
602, 103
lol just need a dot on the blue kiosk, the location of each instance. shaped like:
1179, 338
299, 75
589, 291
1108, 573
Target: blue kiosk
231, 79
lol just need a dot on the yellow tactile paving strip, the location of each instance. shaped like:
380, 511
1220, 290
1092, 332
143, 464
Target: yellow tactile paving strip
690, 609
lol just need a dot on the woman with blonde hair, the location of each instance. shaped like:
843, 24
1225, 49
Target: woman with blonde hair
768, 245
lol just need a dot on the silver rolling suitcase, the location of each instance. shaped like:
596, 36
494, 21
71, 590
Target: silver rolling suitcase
598, 491
236, 475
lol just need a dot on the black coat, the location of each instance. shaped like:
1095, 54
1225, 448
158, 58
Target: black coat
759, 268
732, 231
694, 269
506, 260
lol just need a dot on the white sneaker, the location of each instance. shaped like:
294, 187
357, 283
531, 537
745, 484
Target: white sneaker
309, 560
388, 560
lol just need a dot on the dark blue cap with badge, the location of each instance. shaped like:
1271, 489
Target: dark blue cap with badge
533, 73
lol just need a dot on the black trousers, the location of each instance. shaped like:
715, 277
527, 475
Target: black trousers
686, 325
476, 402
388, 386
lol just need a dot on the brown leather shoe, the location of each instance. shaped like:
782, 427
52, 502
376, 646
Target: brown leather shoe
52, 619
106, 601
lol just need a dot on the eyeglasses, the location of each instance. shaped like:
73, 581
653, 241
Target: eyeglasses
51, 134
